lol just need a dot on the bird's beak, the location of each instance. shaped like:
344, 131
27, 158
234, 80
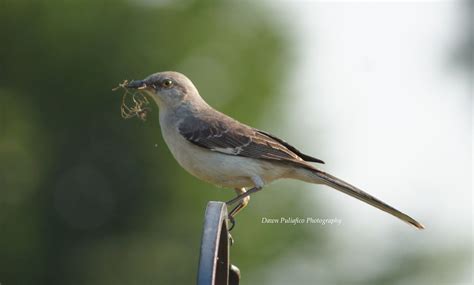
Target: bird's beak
136, 84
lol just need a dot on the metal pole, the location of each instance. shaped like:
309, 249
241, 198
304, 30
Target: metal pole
214, 260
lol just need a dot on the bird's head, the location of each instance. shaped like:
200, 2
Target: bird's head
168, 89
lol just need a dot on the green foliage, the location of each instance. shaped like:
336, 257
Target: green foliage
88, 198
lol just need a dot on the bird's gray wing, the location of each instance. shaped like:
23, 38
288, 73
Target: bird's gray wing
228, 136
305, 157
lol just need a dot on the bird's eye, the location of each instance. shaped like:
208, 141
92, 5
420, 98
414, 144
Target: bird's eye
167, 83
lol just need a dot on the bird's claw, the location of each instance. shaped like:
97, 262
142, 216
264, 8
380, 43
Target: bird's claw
232, 222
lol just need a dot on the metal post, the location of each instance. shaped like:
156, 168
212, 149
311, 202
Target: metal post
214, 260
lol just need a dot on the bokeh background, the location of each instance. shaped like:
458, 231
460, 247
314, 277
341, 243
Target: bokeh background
381, 91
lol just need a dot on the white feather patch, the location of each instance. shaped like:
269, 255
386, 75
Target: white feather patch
229, 150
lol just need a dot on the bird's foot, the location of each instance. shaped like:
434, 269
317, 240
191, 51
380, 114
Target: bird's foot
232, 222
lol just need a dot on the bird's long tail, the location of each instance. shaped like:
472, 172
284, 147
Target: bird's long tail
338, 184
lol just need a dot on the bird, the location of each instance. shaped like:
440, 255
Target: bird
227, 153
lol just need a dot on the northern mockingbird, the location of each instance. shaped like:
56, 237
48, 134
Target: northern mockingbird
220, 150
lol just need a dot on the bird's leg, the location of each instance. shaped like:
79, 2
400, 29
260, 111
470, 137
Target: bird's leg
242, 204
244, 195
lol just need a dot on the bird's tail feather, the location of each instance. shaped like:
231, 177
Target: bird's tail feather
338, 184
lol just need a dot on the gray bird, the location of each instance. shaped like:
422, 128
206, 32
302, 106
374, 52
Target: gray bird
220, 150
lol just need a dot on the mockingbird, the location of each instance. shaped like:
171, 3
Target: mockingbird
220, 150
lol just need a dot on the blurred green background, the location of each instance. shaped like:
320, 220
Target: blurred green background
89, 198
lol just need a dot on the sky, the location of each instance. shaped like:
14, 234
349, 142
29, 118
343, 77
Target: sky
373, 84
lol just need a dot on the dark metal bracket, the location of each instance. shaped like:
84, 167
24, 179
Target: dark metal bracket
214, 259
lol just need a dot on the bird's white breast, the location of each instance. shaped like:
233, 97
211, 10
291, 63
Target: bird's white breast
214, 167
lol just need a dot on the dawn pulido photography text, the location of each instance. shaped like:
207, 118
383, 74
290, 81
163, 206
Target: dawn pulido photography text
250, 142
